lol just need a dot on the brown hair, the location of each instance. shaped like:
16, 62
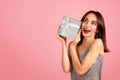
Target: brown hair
101, 28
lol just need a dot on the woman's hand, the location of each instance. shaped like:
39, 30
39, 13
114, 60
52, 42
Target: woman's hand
77, 39
61, 38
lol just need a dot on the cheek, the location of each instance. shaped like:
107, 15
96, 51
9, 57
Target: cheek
93, 32
94, 28
83, 25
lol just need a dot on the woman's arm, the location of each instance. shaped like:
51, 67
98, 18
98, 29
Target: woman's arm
65, 59
83, 66
65, 56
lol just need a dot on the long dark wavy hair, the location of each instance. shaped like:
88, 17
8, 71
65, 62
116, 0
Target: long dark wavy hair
101, 28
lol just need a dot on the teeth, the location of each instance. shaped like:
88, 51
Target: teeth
86, 29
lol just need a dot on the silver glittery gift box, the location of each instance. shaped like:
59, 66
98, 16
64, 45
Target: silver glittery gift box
69, 27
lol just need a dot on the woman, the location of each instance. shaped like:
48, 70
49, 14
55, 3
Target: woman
83, 57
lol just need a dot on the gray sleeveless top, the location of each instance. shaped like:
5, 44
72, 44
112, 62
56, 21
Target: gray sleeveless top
94, 73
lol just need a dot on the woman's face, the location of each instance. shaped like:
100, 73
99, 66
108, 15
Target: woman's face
89, 25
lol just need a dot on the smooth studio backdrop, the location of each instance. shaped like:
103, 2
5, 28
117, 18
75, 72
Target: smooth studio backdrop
29, 48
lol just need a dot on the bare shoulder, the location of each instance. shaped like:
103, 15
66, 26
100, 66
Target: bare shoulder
98, 44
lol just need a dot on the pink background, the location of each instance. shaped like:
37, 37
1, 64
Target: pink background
29, 49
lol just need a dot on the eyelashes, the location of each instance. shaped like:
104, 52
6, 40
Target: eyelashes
86, 20
94, 23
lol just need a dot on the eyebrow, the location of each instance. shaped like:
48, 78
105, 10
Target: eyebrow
88, 19
94, 21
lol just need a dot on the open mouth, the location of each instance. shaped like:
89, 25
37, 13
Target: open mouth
86, 30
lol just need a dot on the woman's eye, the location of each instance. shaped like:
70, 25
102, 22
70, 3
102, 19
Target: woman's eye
94, 23
85, 20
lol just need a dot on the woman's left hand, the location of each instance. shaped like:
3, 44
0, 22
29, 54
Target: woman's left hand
77, 39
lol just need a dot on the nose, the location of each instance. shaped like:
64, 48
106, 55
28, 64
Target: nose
88, 24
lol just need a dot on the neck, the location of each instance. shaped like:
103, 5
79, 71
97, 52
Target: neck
88, 41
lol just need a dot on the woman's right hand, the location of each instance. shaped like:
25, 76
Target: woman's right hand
61, 38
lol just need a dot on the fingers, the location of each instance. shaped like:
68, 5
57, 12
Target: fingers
78, 37
79, 31
59, 36
58, 32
